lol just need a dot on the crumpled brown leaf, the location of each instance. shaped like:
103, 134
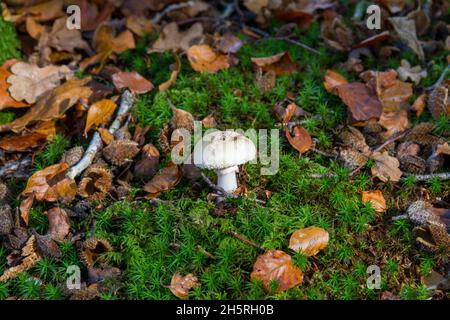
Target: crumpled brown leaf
6, 101
180, 285
93, 14
301, 140
52, 105
164, 180
361, 100
406, 30
45, 11
333, 80
99, 114
133, 81
415, 74
386, 167
280, 63
29, 82
204, 59
146, 167
172, 39
28, 141
59, 224
276, 265
375, 198
309, 241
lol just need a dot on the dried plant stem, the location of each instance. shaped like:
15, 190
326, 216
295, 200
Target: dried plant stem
245, 240
427, 177
441, 78
95, 145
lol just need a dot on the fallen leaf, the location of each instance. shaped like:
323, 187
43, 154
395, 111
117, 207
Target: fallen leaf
228, 43
172, 39
335, 33
203, 59
386, 167
6, 101
374, 40
25, 207
29, 82
52, 105
176, 68
333, 80
182, 119
280, 63
180, 285
132, 81
405, 72
301, 140
266, 81
276, 265
394, 122
209, 122
164, 180
92, 15
59, 224
147, 166
99, 114
139, 25
28, 141
45, 11
376, 199
106, 136
406, 30
420, 104
361, 101
309, 241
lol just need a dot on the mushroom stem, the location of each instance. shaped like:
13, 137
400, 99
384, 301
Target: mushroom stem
226, 179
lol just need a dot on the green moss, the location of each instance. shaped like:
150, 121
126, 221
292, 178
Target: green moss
9, 44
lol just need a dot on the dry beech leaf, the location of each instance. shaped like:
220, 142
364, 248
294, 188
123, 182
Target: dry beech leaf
58, 224
92, 15
52, 105
50, 184
182, 119
276, 265
228, 43
45, 11
176, 68
133, 81
139, 25
28, 82
6, 101
203, 59
280, 63
361, 101
309, 241
406, 30
415, 74
420, 104
25, 207
301, 140
375, 198
164, 180
172, 39
180, 285
26, 142
209, 122
266, 81
386, 167
147, 166
333, 80
99, 114
374, 40
121, 152
107, 137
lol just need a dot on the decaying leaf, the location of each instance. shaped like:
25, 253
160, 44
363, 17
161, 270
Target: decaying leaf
139, 25
146, 167
99, 114
376, 199
276, 265
228, 43
361, 101
280, 63
120, 152
180, 285
203, 59
6, 220
29, 82
209, 122
176, 68
164, 180
182, 119
172, 39
415, 74
386, 167
333, 80
133, 81
419, 104
28, 141
301, 140
59, 224
107, 137
265, 81
406, 30
309, 241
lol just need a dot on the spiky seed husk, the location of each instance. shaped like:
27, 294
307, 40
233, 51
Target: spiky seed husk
72, 156
351, 158
120, 152
439, 101
164, 139
3, 192
96, 182
92, 248
412, 164
6, 220
420, 213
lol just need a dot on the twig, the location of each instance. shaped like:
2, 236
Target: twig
322, 175
15, 169
206, 253
173, 7
244, 239
96, 143
325, 154
400, 217
300, 44
441, 78
427, 177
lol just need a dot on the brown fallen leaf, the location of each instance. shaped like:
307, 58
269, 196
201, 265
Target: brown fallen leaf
172, 39
361, 100
209, 122
164, 180
29, 82
139, 25
394, 6
147, 166
301, 140
45, 11
59, 224
333, 80
93, 14
309, 241
99, 114
280, 63
6, 101
52, 105
376, 199
106, 136
276, 265
266, 81
386, 167
176, 68
203, 59
406, 30
415, 74
181, 119
420, 104
335, 33
374, 40
43, 132
228, 43
180, 285
133, 81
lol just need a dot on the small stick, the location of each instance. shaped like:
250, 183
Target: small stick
325, 154
206, 253
300, 44
427, 177
323, 175
244, 239
96, 143
441, 78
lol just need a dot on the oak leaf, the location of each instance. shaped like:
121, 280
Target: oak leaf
6, 101
386, 167
133, 81
172, 39
309, 241
376, 199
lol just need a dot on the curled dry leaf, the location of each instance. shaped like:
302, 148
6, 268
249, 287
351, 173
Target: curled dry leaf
386, 167
333, 80
172, 39
59, 224
203, 59
92, 249
180, 285
182, 119
376, 199
406, 30
52, 105
280, 63
99, 114
26, 142
6, 101
121, 152
107, 137
132, 81
93, 14
28, 82
146, 167
276, 265
301, 140
309, 241
176, 68
209, 122
420, 104
228, 43
43, 11
164, 180
361, 100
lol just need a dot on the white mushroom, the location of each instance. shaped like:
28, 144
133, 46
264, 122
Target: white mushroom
224, 151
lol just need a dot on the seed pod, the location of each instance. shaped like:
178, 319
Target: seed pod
72, 156
431, 237
91, 250
6, 220
96, 182
439, 101
120, 152
412, 164
421, 212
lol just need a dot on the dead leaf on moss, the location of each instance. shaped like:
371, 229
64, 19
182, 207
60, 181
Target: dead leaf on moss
176, 68
309, 241
29, 258
386, 167
333, 80
301, 140
280, 63
406, 30
172, 39
228, 43
133, 81
180, 286
415, 74
147, 166
45, 11
361, 100
276, 265
99, 114
139, 25
376, 199
420, 104
94, 13
6, 101
59, 224
164, 180
203, 59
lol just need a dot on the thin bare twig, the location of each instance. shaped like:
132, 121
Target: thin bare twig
441, 78
427, 177
325, 154
16, 169
244, 239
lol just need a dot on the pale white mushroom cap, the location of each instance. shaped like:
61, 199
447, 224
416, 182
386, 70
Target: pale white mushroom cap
223, 149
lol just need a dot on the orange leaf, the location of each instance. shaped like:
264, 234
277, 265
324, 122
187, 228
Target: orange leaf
204, 59
164, 180
332, 80
133, 81
361, 101
176, 68
6, 101
376, 199
276, 265
280, 63
180, 285
301, 140
99, 113
309, 241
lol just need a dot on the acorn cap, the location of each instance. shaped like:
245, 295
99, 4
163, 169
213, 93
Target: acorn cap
223, 149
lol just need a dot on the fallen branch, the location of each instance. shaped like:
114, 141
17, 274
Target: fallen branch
16, 169
427, 177
95, 145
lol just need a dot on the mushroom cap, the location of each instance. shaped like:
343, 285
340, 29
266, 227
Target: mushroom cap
223, 149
